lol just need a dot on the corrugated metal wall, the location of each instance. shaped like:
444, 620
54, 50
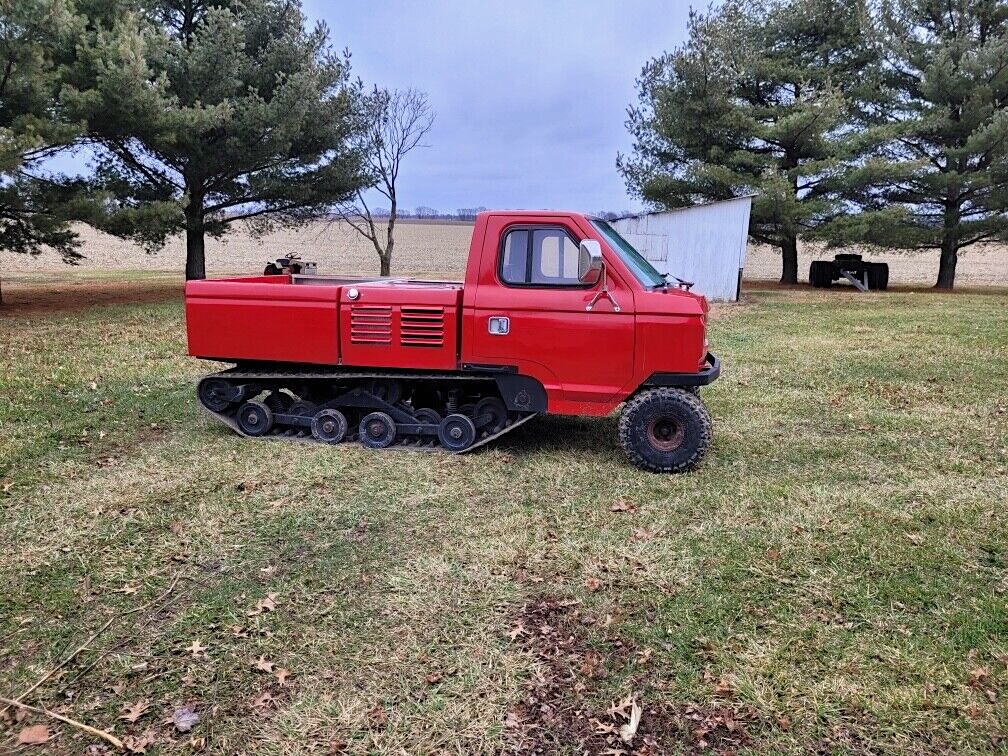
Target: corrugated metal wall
705, 244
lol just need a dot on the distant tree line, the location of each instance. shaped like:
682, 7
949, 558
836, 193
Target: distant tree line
855, 122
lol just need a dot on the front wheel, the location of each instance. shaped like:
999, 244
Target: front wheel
665, 430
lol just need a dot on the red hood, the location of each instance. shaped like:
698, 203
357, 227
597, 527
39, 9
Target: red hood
670, 301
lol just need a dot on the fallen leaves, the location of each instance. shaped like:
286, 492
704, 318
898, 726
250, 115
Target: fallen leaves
185, 717
133, 712
377, 717
628, 730
262, 665
267, 604
592, 584
34, 735
197, 649
623, 506
281, 675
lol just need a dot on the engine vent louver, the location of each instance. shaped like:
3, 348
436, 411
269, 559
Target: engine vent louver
421, 326
370, 324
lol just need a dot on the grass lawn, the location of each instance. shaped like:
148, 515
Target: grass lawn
834, 578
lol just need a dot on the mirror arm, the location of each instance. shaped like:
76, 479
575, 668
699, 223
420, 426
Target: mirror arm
603, 292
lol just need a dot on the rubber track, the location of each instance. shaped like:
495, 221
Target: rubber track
304, 434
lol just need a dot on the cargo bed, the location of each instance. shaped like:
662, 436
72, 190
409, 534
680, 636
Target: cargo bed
325, 320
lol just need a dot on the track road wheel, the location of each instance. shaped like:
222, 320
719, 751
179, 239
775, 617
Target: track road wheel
329, 426
302, 408
495, 410
279, 402
427, 416
456, 433
377, 430
213, 393
665, 430
255, 419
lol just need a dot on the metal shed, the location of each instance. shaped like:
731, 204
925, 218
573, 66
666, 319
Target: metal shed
705, 244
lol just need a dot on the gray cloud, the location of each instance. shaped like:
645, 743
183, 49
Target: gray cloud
530, 97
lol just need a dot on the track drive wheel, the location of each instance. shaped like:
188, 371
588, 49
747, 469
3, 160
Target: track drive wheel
456, 432
496, 410
254, 419
329, 426
377, 430
665, 430
214, 393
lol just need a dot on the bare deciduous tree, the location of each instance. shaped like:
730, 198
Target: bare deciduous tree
398, 122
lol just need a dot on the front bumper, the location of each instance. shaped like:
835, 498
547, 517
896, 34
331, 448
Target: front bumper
709, 374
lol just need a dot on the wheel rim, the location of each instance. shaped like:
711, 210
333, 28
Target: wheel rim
665, 433
376, 429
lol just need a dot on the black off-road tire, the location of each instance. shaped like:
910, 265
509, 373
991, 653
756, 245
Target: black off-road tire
665, 430
329, 426
821, 273
881, 271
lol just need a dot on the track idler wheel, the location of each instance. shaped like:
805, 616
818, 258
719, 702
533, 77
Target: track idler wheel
329, 426
377, 430
216, 395
254, 419
456, 433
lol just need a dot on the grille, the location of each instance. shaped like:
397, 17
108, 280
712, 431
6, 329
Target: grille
370, 324
421, 326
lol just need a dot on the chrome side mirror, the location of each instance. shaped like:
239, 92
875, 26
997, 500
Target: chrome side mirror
590, 262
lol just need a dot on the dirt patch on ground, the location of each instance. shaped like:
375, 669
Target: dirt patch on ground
22, 298
557, 715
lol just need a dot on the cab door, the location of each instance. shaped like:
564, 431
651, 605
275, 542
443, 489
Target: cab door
533, 314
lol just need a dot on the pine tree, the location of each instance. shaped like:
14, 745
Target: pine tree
756, 101
214, 112
37, 42
937, 177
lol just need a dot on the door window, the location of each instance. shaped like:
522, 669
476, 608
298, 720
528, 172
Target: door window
539, 257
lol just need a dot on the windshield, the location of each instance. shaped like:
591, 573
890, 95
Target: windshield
640, 267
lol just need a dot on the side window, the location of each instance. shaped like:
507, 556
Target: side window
541, 256
554, 258
514, 266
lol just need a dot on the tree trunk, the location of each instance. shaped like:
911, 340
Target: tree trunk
195, 267
789, 259
386, 263
949, 250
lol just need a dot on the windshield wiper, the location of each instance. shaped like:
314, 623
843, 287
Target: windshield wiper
681, 283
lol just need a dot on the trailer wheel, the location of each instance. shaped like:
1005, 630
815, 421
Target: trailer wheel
377, 430
878, 276
665, 430
456, 432
329, 426
254, 419
821, 273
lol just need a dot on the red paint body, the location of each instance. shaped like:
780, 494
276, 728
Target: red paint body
588, 361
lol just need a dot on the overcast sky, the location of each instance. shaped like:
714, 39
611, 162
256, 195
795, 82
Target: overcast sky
530, 97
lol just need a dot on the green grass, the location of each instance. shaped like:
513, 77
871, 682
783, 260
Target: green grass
841, 558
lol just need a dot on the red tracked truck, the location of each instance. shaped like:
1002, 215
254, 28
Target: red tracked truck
558, 314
